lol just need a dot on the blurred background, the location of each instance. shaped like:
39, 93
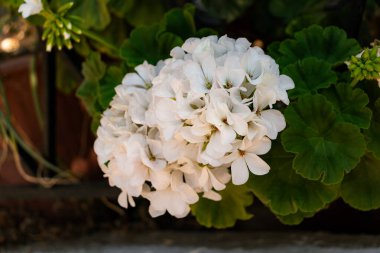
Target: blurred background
50, 185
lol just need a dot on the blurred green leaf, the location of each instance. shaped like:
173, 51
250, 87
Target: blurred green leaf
145, 43
373, 133
67, 76
350, 104
289, 9
294, 218
329, 44
285, 192
325, 147
228, 10
93, 70
180, 22
361, 187
303, 21
224, 213
309, 75
145, 12
94, 13
106, 88
115, 34
274, 49
120, 7
204, 32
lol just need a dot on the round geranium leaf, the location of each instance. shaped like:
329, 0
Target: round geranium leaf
373, 133
148, 43
287, 193
224, 213
325, 147
350, 104
330, 44
295, 218
361, 187
309, 75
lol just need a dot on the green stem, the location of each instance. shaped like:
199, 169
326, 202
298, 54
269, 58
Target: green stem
13, 135
34, 90
354, 82
100, 40
26, 147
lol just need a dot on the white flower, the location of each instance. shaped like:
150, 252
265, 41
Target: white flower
172, 130
205, 180
30, 7
174, 199
246, 159
143, 78
268, 122
226, 115
230, 74
201, 76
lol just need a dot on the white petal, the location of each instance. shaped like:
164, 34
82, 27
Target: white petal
212, 195
239, 172
242, 44
209, 67
256, 165
133, 79
236, 77
165, 110
227, 134
259, 146
146, 71
160, 179
275, 122
286, 83
203, 178
190, 44
215, 183
177, 53
123, 199
188, 135
239, 125
194, 73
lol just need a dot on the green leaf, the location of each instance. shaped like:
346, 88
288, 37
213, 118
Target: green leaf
361, 188
274, 50
120, 7
350, 104
144, 12
228, 10
94, 13
204, 32
146, 44
295, 218
115, 35
285, 192
309, 75
67, 76
180, 22
106, 88
93, 68
373, 134
289, 9
224, 213
325, 147
329, 44
303, 21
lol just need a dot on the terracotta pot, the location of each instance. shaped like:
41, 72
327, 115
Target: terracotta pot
72, 134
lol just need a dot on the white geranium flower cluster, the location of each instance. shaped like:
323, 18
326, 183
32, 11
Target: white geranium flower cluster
184, 128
